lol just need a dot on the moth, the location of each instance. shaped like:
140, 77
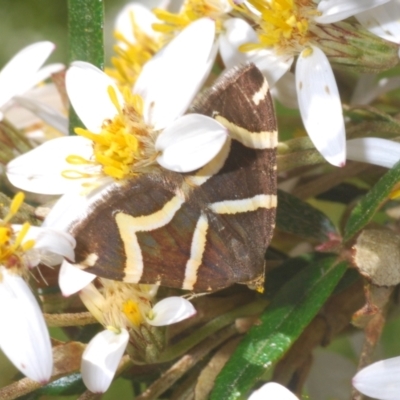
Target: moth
201, 231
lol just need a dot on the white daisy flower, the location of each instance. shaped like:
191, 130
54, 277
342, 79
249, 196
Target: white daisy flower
228, 30
129, 133
122, 307
379, 380
24, 337
286, 31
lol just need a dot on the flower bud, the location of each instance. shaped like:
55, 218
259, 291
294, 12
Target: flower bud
349, 44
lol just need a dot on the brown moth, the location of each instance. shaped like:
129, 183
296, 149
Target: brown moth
201, 231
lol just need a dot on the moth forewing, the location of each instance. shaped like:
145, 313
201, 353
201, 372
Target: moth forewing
202, 231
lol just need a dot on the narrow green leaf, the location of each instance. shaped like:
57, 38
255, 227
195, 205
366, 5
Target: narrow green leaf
281, 324
299, 218
371, 202
86, 39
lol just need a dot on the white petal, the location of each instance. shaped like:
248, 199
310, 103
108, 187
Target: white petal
170, 80
74, 206
72, 279
252, 9
49, 240
45, 73
95, 302
383, 21
285, 90
87, 90
171, 310
101, 358
337, 10
56, 242
376, 151
238, 32
320, 105
22, 118
24, 337
273, 391
380, 380
48, 114
142, 16
273, 66
40, 170
190, 142
16, 76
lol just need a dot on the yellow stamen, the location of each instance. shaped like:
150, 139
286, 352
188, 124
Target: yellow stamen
11, 246
91, 136
121, 143
28, 245
73, 174
20, 237
307, 52
114, 99
14, 206
192, 10
132, 56
283, 24
5, 235
113, 329
77, 160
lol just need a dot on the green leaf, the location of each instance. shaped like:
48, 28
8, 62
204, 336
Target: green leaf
86, 39
299, 218
67, 385
281, 324
364, 211
286, 271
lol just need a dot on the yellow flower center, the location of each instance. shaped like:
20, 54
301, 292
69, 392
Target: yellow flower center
118, 304
132, 311
131, 57
124, 145
192, 10
11, 246
282, 24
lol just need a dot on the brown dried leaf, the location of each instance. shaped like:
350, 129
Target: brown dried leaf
377, 256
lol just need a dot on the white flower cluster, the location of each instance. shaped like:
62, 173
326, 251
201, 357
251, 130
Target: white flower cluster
105, 153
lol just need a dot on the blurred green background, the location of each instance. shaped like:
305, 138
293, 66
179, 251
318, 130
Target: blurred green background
23, 22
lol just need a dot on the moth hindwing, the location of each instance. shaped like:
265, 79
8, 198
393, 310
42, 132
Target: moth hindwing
202, 231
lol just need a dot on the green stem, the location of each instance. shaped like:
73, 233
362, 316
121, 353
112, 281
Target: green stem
86, 41
210, 328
